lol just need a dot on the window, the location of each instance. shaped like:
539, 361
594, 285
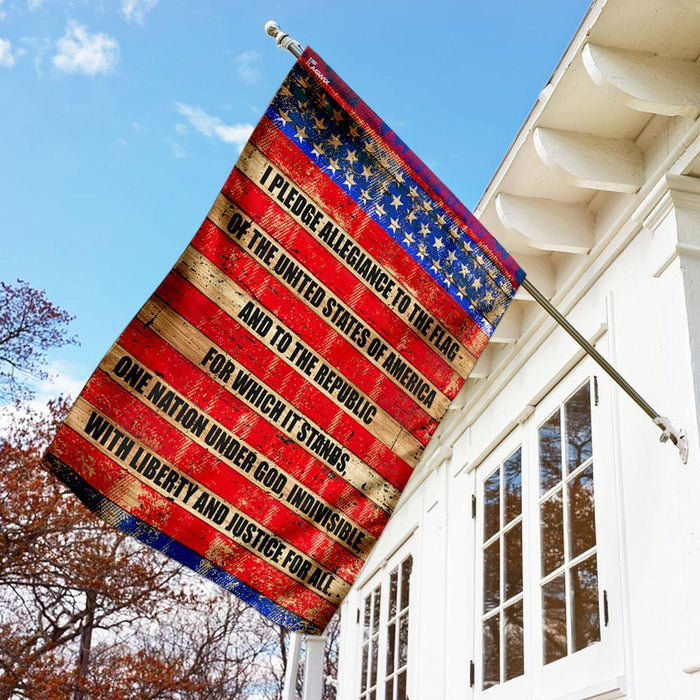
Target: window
569, 568
547, 575
502, 558
385, 634
370, 645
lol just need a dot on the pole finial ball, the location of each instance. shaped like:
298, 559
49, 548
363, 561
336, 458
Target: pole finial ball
272, 28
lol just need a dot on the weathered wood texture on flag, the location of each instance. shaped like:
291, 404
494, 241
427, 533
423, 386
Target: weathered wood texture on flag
260, 416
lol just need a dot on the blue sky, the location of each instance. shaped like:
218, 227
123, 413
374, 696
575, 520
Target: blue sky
120, 120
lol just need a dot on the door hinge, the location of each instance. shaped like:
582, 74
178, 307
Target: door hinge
596, 398
472, 671
606, 615
358, 616
473, 506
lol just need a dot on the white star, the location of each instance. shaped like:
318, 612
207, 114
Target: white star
396, 202
438, 243
301, 134
349, 180
394, 225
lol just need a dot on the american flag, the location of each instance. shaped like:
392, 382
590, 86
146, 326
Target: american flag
259, 417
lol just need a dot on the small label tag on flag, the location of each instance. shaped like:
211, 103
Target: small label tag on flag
259, 417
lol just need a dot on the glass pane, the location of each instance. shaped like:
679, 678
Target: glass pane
401, 690
373, 669
492, 579
550, 453
365, 624
390, 642
393, 586
552, 530
513, 561
389, 690
373, 695
365, 652
406, 568
403, 641
375, 610
492, 660
554, 619
513, 486
579, 445
584, 604
581, 513
492, 500
513, 641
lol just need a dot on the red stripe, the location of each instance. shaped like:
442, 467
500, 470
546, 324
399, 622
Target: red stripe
170, 444
368, 234
316, 259
216, 325
202, 391
314, 331
110, 479
416, 168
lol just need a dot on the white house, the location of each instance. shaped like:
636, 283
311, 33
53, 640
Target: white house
548, 546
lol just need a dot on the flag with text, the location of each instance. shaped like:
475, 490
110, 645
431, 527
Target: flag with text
259, 417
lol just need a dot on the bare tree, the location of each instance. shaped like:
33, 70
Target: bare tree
29, 326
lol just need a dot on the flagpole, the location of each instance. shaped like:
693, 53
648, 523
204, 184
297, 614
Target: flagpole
677, 437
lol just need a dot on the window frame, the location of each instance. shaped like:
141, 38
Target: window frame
603, 661
381, 580
514, 688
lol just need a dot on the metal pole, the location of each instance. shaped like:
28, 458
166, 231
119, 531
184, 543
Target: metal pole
677, 437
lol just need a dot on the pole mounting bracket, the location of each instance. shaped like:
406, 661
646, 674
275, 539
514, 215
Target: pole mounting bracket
676, 436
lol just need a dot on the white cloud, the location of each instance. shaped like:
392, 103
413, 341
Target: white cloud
3, 14
64, 379
38, 47
7, 60
248, 66
34, 4
237, 134
177, 150
81, 52
136, 10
